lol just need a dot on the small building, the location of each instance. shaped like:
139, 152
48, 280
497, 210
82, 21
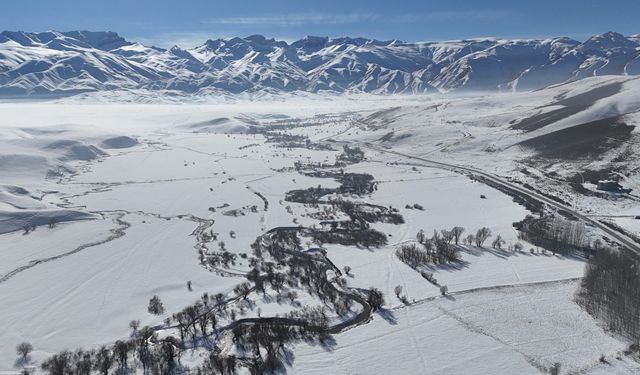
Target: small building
609, 185
612, 186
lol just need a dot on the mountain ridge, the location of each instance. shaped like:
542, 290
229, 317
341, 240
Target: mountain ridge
70, 62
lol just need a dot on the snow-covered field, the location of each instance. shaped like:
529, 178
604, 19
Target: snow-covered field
515, 330
120, 194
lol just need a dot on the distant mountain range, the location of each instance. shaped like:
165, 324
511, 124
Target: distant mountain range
81, 61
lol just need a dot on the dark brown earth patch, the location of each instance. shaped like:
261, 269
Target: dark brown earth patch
571, 106
590, 140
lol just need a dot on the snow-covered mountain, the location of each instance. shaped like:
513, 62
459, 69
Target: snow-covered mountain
80, 61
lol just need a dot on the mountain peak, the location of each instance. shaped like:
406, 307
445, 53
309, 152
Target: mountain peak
103, 40
311, 43
20, 37
313, 63
607, 41
258, 38
179, 52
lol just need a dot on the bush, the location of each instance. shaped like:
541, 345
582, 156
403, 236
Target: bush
429, 277
482, 235
375, 298
155, 306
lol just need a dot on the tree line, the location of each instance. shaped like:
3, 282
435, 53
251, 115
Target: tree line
610, 291
556, 234
442, 247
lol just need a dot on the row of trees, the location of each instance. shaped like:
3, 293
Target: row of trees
443, 247
360, 214
440, 248
556, 234
350, 183
123, 356
455, 236
218, 258
610, 291
264, 343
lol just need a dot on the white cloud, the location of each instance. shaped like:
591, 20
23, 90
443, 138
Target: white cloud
297, 19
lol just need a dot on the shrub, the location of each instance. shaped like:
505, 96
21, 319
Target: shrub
155, 306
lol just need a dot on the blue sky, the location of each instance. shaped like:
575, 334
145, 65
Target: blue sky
191, 22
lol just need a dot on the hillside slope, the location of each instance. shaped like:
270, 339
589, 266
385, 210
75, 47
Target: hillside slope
80, 61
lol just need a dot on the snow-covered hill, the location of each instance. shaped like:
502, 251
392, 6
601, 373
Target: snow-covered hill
81, 61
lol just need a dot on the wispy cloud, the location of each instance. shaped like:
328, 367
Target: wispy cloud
297, 19
455, 16
224, 27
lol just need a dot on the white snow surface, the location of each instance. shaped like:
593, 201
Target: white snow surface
129, 184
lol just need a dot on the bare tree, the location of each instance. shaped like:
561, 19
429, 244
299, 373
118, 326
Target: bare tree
104, 360
243, 289
457, 233
375, 298
219, 297
470, 239
169, 352
145, 355
121, 349
498, 242
346, 270
444, 290
23, 349
420, 236
292, 295
58, 364
398, 290
597, 245
134, 325
481, 236
82, 362
447, 236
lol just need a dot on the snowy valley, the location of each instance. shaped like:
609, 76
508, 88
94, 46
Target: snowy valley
319, 233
